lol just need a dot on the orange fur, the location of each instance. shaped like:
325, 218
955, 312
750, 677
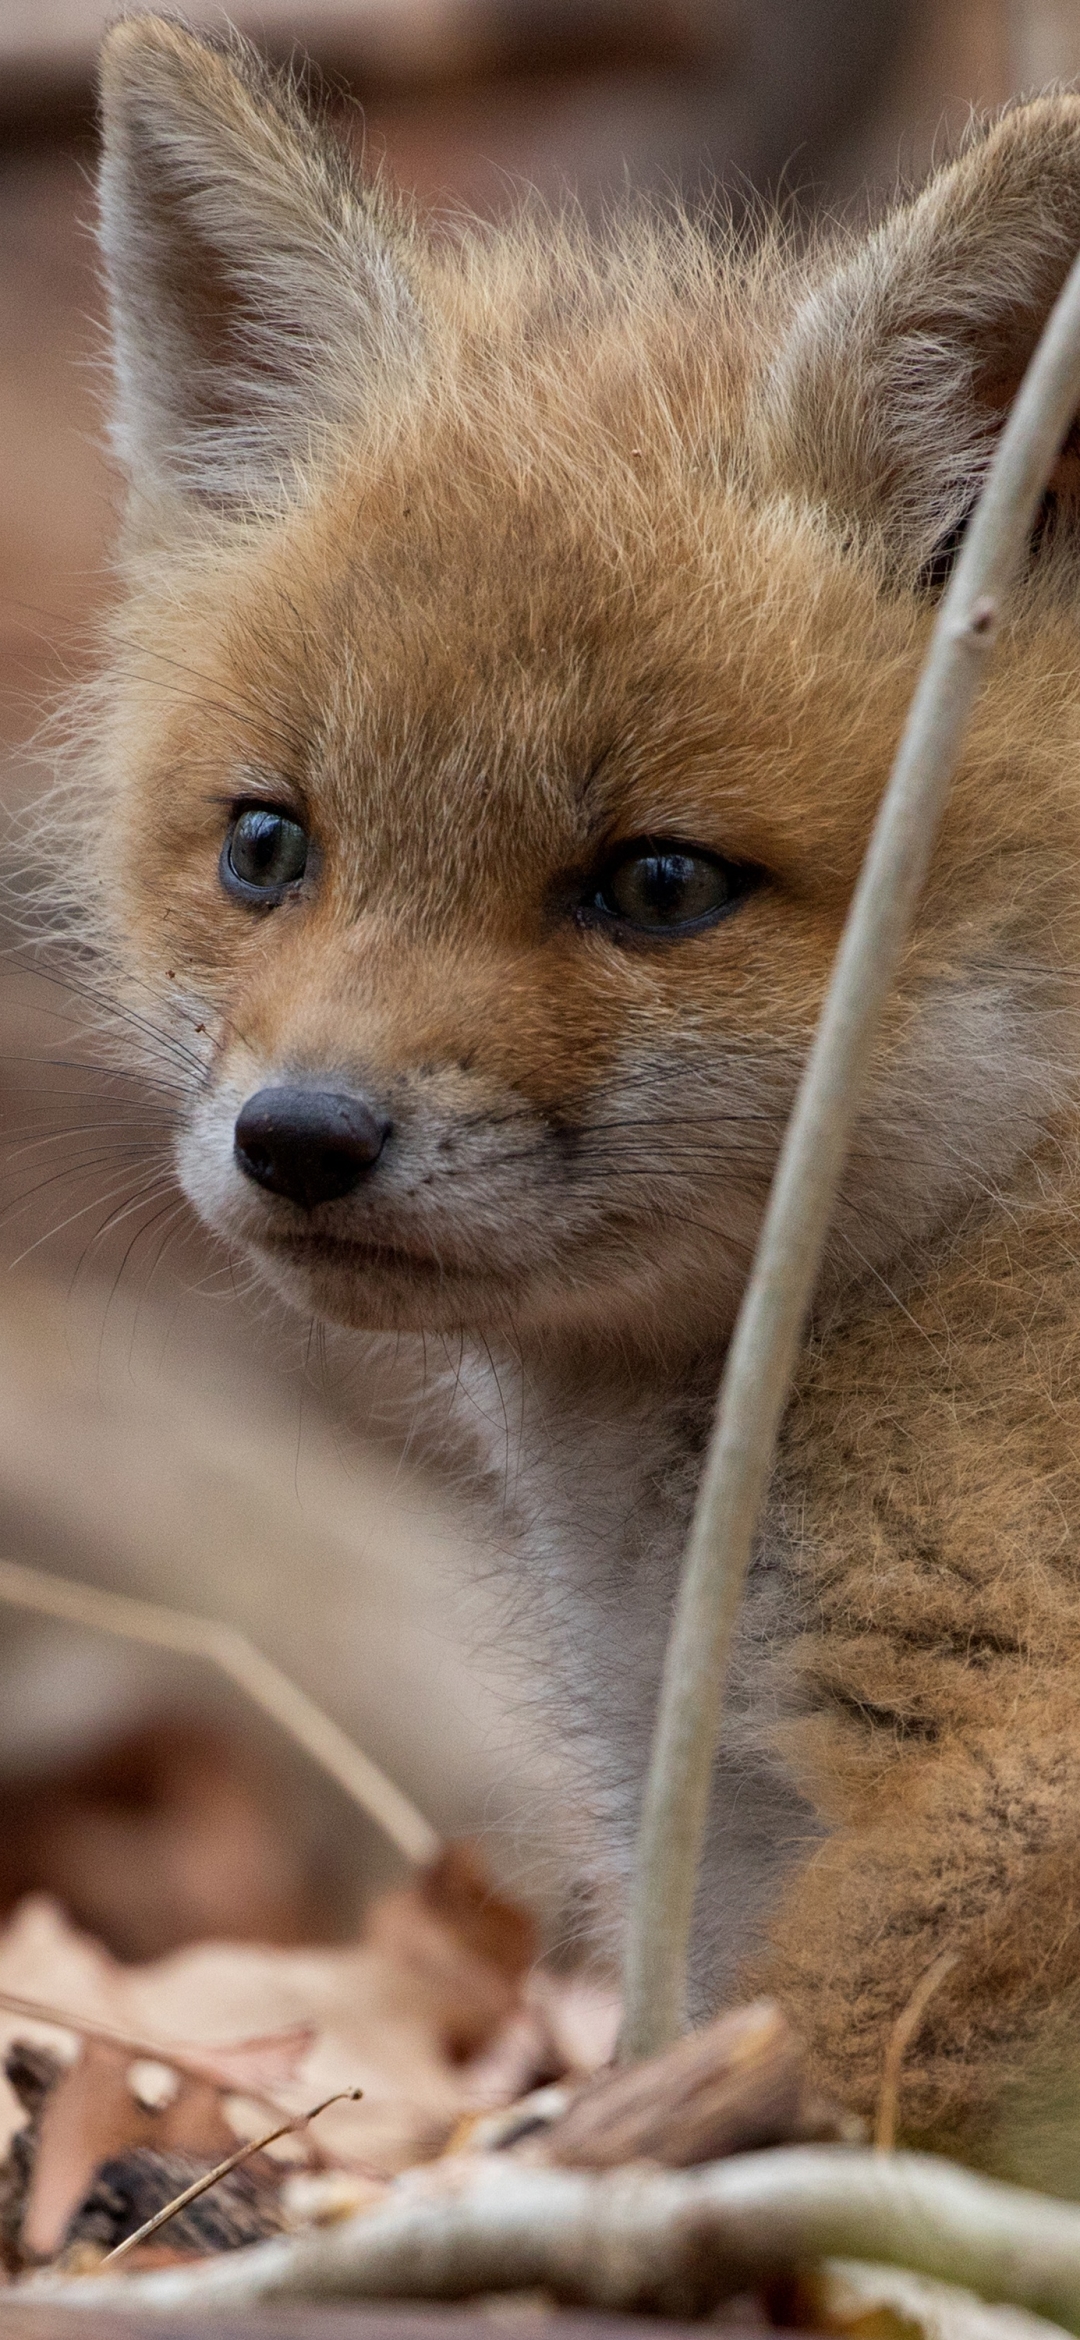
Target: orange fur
480, 554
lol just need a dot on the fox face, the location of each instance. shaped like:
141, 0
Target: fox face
516, 638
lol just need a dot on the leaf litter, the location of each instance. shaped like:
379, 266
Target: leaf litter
481, 2070
120, 2078
445, 2115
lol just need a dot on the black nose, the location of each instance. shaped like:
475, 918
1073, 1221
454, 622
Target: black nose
313, 1145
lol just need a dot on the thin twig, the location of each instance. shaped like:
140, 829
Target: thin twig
637, 2238
210, 2177
765, 1345
211, 2066
905, 2029
264, 1683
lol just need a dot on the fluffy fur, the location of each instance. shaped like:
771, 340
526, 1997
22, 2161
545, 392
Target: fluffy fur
482, 550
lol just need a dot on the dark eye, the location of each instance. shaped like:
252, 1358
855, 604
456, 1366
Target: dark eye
264, 852
666, 888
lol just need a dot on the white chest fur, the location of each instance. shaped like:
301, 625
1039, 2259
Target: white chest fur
592, 1487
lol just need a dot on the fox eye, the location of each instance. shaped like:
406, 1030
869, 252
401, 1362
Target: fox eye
264, 852
659, 886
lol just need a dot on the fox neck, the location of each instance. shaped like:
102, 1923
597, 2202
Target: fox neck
593, 1474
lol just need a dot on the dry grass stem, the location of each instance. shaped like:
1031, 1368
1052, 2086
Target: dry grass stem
765, 1345
210, 2177
905, 2029
637, 2238
209, 2066
223, 1646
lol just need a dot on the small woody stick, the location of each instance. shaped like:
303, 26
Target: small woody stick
202, 2185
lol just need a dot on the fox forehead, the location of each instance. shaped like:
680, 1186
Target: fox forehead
469, 695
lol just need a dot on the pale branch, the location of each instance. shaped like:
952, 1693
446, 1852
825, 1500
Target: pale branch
225, 1647
854, 2297
761, 1359
634, 2239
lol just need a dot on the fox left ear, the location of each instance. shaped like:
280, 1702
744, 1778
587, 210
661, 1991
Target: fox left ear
897, 372
256, 285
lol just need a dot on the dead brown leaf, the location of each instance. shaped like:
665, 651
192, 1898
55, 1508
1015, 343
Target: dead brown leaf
161, 1837
91, 2116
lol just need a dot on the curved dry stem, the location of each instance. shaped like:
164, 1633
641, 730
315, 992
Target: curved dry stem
765, 1345
264, 1683
228, 2067
223, 2169
639, 2238
906, 2028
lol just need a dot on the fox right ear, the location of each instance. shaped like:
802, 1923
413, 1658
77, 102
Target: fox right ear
256, 285
896, 373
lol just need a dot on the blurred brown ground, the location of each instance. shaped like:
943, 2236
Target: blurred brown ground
159, 1433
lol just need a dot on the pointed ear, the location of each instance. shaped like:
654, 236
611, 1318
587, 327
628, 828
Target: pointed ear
902, 361
256, 285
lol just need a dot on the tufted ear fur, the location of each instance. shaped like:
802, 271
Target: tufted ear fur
255, 283
902, 361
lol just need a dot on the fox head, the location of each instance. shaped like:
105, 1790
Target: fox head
516, 632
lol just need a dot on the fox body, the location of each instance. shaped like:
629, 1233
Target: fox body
515, 636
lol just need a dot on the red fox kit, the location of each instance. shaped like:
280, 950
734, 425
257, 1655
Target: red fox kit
517, 633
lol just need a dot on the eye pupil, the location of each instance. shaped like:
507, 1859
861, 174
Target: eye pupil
265, 850
668, 885
659, 888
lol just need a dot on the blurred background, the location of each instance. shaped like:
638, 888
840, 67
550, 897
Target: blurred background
162, 1432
